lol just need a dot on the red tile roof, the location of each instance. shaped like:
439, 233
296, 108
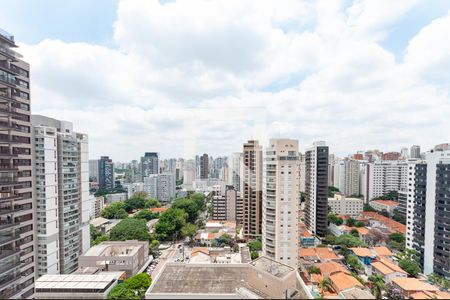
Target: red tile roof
389, 223
386, 202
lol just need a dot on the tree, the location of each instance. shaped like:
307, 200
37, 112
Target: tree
367, 207
350, 222
94, 232
354, 232
359, 224
170, 222
130, 229
199, 199
393, 293
115, 210
377, 285
397, 237
254, 255
255, 245
314, 270
150, 203
345, 240
132, 288
409, 266
331, 191
302, 197
137, 201
332, 218
139, 283
146, 215
353, 261
121, 291
224, 239
325, 284
189, 230
189, 206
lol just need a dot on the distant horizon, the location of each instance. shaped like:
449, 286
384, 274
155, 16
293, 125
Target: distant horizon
179, 76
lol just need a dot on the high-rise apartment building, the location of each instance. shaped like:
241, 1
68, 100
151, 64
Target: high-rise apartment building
93, 170
160, 186
414, 152
428, 219
204, 166
382, 177
316, 189
189, 172
149, 164
224, 207
16, 215
346, 176
105, 173
281, 199
252, 189
235, 170
62, 195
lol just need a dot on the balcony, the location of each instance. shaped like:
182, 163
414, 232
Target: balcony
4, 66
7, 167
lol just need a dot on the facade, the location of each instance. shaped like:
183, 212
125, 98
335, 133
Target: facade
224, 208
252, 189
204, 166
281, 201
149, 164
402, 201
93, 170
384, 205
346, 176
382, 177
392, 156
160, 186
166, 187
62, 195
17, 265
105, 173
427, 211
414, 152
316, 188
114, 256
235, 170
189, 173
346, 206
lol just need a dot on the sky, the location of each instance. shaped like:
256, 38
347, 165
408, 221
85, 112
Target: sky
194, 76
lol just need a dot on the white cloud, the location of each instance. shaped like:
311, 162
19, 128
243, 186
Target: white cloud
203, 76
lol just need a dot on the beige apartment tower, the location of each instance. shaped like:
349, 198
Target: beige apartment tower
281, 187
252, 189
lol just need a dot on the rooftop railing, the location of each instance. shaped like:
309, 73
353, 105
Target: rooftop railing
7, 35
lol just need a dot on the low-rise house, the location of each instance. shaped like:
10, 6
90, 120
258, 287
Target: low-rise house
377, 220
356, 293
339, 230
364, 255
384, 205
413, 286
76, 286
311, 256
328, 268
430, 295
388, 269
363, 233
126, 256
158, 210
382, 251
342, 281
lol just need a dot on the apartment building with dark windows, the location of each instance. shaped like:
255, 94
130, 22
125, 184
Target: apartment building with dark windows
16, 214
252, 174
316, 188
428, 211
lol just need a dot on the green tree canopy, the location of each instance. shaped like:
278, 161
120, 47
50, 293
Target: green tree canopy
353, 261
189, 206
170, 222
359, 224
345, 240
255, 245
350, 222
130, 229
150, 203
409, 266
332, 190
397, 237
139, 283
146, 215
137, 201
377, 285
254, 255
189, 230
314, 270
121, 291
115, 210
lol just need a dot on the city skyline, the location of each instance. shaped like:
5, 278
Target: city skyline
179, 78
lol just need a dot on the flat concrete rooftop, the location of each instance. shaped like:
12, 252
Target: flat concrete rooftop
272, 267
195, 279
